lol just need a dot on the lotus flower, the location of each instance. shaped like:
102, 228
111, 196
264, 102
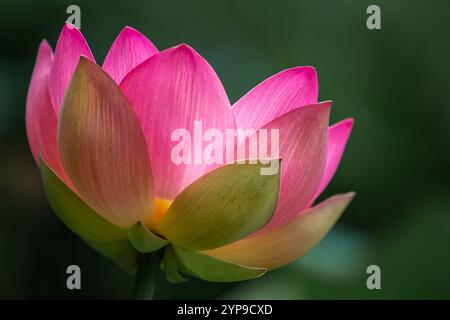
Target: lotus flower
101, 136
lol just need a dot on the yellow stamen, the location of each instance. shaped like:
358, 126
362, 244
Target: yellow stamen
160, 209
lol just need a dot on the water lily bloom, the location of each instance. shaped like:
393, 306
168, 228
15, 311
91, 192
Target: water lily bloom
101, 136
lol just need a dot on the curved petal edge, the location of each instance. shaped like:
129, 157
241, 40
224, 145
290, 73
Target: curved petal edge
287, 242
129, 49
70, 47
275, 96
212, 269
338, 135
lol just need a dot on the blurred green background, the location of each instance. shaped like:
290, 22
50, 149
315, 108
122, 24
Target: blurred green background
395, 82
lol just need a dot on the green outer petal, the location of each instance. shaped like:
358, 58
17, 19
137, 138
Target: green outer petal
211, 269
144, 240
122, 252
106, 238
221, 207
288, 242
171, 268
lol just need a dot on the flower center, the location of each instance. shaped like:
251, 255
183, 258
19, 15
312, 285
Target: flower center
160, 209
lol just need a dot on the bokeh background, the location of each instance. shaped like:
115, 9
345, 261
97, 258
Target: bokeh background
395, 82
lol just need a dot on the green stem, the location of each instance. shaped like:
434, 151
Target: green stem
147, 275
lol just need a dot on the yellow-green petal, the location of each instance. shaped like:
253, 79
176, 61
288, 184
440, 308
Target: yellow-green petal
288, 242
106, 238
144, 240
211, 269
221, 207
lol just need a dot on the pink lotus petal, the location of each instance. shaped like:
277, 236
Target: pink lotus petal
103, 148
302, 148
40, 117
170, 91
338, 135
128, 50
275, 96
71, 45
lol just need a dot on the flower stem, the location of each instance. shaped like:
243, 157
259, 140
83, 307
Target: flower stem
147, 275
